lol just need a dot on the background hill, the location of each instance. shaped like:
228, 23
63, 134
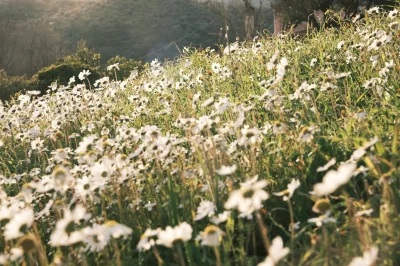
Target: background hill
36, 33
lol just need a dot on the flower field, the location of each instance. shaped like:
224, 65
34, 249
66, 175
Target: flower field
283, 151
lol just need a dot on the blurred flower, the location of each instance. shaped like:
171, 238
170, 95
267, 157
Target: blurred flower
306, 134
323, 219
364, 212
66, 232
111, 67
393, 13
211, 236
216, 67
84, 74
249, 197
334, 179
276, 252
149, 206
330, 163
288, 193
170, 236
226, 170
19, 224
340, 45
147, 239
206, 208
368, 259
313, 62
220, 218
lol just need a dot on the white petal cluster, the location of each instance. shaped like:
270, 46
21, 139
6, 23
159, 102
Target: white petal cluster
334, 179
171, 235
249, 197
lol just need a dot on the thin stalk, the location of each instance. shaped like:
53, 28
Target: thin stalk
264, 231
291, 231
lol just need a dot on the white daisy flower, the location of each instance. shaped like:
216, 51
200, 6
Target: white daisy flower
171, 235
206, 208
84, 74
211, 236
249, 197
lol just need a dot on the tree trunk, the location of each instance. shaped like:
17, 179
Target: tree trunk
249, 20
278, 19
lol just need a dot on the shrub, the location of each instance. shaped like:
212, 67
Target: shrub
67, 67
10, 85
126, 66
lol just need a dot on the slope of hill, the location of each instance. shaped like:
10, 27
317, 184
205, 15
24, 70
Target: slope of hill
136, 28
132, 29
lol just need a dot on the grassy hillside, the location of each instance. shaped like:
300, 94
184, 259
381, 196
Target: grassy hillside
284, 152
133, 29
136, 28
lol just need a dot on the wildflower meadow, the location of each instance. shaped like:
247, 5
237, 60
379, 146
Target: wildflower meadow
280, 151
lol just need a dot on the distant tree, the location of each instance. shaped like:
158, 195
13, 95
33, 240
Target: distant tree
249, 19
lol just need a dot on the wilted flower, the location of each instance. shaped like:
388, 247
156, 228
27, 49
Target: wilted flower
71, 80
207, 102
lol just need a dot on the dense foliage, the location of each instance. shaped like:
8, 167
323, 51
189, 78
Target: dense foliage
279, 152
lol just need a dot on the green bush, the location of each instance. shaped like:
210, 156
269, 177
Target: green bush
69, 66
62, 73
10, 85
126, 66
